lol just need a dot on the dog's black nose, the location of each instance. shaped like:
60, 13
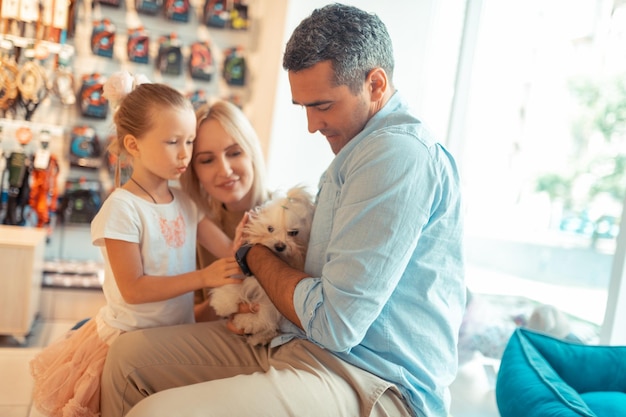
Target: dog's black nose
280, 247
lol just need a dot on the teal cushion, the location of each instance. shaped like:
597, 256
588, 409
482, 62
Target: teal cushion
543, 376
606, 404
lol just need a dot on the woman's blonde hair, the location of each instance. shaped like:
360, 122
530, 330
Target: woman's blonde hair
136, 114
239, 128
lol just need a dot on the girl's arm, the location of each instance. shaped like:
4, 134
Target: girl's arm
214, 239
136, 287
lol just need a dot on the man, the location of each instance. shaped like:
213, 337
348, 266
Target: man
374, 318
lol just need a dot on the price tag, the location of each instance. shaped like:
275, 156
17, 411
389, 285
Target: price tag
6, 44
29, 11
48, 11
61, 11
42, 159
10, 9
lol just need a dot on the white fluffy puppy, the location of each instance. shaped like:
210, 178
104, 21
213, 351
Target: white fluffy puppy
283, 224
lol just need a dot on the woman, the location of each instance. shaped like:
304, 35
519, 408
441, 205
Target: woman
226, 176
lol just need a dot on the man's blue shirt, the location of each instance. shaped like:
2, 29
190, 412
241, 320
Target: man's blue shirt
385, 257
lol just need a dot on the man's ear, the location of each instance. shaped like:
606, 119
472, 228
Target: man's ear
378, 82
130, 143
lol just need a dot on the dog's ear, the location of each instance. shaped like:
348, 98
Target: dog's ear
300, 193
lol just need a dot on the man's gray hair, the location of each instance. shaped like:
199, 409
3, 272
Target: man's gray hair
353, 40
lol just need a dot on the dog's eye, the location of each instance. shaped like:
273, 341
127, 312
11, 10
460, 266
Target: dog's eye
270, 229
292, 233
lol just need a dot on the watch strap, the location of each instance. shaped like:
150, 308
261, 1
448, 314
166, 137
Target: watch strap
240, 257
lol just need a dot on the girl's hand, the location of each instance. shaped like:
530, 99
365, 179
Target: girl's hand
222, 272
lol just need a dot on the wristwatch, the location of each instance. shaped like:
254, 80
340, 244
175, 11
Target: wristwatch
240, 257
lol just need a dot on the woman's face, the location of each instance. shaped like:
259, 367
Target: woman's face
223, 168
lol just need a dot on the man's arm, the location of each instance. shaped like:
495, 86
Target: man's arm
277, 279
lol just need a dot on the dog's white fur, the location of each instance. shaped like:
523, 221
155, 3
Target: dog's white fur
283, 225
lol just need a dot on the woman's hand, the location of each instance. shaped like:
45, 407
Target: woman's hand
240, 237
244, 308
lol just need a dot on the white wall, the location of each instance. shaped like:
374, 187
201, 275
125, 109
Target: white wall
426, 37
265, 61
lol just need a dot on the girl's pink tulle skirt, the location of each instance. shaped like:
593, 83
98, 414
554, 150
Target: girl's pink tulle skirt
67, 374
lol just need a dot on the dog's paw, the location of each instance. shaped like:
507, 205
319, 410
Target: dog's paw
225, 300
253, 323
261, 326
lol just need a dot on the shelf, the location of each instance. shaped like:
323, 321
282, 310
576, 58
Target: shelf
54, 130
55, 48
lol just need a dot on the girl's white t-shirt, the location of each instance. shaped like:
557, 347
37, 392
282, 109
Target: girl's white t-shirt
166, 234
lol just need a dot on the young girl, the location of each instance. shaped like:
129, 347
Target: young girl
147, 233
